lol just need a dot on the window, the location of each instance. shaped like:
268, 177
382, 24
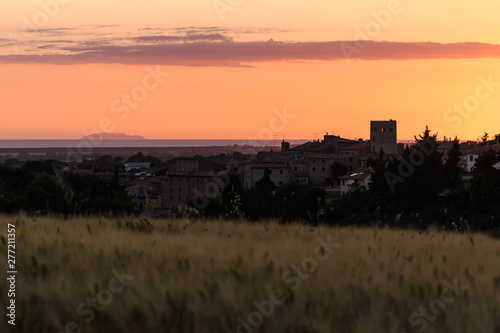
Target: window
295, 168
281, 172
323, 169
471, 158
383, 129
314, 168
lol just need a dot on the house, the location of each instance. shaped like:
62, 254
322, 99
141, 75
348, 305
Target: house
356, 178
185, 186
279, 173
329, 145
473, 155
147, 193
319, 167
299, 171
356, 149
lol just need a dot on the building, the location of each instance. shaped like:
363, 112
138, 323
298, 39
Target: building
473, 155
189, 164
319, 167
299, 171
279, 173
147, 193
184, 186
329, 145
383, 136
356, 178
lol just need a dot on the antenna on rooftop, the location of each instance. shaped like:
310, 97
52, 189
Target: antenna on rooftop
315, 135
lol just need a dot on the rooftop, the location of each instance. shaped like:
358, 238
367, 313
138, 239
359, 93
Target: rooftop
360, 174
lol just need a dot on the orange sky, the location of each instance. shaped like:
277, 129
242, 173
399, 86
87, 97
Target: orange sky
231, 93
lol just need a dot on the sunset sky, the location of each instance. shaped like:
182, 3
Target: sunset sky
221, 69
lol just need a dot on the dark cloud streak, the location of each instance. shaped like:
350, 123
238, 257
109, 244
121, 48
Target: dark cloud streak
193, 52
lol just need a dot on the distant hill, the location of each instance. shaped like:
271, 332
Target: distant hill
112, 136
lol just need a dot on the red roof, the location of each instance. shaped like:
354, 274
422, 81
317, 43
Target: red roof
484, 149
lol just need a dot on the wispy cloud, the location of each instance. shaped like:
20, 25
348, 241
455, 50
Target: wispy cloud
188, 38
212, 46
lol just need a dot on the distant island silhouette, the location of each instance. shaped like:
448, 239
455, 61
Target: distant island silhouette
112, 136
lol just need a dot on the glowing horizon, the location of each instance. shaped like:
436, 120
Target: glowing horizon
66, 68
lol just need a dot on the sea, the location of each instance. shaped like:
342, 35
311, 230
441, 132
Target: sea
140, 143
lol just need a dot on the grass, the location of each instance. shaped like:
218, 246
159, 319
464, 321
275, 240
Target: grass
202, 276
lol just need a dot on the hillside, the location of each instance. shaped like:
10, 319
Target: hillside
112, 136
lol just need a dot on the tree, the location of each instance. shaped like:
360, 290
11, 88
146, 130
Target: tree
265, 184
484, 138
259, 201
233, 191
13, 181
108, 196
485, 191
47, 166
496, 138
46, 193
291, 203
338, 169
422, 165
486, 179
452, 171
139, 157
314, 201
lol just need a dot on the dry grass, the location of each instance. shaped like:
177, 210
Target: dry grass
200, 276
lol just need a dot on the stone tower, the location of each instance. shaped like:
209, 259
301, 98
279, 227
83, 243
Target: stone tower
383, 135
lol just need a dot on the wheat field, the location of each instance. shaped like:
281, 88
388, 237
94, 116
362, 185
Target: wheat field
134, 275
